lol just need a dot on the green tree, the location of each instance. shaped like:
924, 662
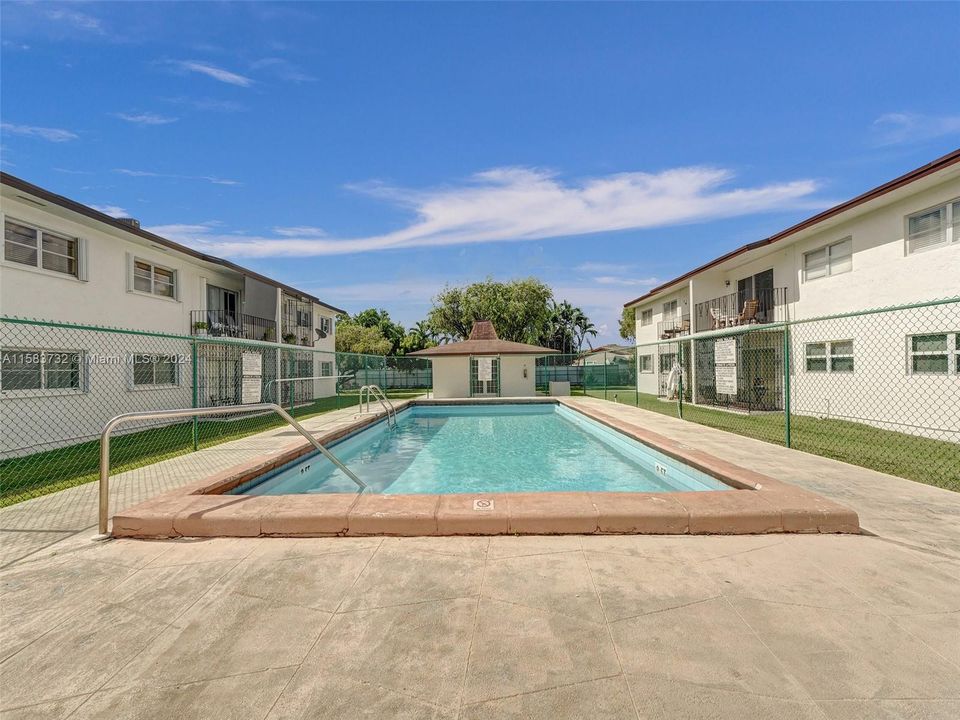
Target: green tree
421, 336
380, 319
518, 309
628, 323
355, 338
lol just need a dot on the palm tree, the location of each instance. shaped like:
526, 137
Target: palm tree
582, 327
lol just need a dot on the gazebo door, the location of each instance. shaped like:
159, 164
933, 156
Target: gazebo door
484, 376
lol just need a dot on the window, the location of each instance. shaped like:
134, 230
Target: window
36, 369
154, 279
666, 361
646, 363
28, 245
935, 354
834, 356
646, 317
303, 318
159, 369
326, 368
934, 228
325, 323
831, 259
670, 310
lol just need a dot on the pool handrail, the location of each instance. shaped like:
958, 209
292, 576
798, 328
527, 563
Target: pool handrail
193, 412
377, 392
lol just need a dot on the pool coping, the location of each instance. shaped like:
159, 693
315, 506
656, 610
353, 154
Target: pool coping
757, 503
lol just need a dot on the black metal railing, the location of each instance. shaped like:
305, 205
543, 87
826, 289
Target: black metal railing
297, 322
676, 327
227, 323
741, 308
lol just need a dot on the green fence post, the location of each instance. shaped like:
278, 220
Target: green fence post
786, 385
196, 394
604, 375
680, 381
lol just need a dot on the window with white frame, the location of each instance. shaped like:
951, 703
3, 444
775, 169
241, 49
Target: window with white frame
41, 369
832, 259
933, 228
934, 353
670, 310
645, 363
835, 356
154, 279
646, 317
326, 368
28, 245
151, 370
325, 324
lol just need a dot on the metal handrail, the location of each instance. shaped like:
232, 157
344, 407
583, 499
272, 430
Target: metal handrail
381, 396
266, 388
191, 412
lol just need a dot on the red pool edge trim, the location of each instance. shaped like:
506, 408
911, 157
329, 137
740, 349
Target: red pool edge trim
757, 504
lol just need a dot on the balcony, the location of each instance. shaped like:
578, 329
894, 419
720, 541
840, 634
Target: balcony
297, 321
674, 328
761, 306
227, 323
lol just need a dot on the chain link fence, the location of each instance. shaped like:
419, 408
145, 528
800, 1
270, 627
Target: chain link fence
59, 384
878, 388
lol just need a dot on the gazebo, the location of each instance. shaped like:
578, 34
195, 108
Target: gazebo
483, 365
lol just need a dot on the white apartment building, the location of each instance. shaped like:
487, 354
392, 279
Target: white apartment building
68, 263
894, 245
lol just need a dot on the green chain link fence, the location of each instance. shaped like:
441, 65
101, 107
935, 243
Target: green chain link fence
878, 388
59, 384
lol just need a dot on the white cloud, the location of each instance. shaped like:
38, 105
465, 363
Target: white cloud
904, 127
146, 118
204, 103
45, 133
79, 20
112, 210
300, 231
522, 204
214, 72
148, 173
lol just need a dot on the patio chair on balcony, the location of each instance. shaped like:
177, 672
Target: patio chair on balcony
749, 314
718, 318
681, 328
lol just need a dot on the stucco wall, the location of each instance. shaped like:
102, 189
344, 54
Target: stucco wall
512, 381
451, 377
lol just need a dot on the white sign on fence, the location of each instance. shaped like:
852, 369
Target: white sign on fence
725, 351
252, 382
725, 366
252, 363
485, 369
726, 378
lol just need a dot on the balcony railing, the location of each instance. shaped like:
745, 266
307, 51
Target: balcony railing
677, 327
226, 323
742, 308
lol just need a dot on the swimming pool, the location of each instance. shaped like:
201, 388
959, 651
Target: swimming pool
496, 448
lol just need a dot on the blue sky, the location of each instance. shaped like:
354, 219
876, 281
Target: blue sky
371, 153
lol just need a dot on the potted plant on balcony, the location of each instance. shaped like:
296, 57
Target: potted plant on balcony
200, 328
268, 335
290, 338
305, 340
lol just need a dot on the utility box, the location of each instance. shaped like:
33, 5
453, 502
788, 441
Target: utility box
558, 388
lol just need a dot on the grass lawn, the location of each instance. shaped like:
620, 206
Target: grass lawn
934, 462
30, 476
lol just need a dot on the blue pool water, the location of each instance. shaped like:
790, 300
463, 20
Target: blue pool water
487, 449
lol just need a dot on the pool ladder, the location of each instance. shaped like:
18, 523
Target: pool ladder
376, 392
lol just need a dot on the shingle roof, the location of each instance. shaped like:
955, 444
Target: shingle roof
483, 340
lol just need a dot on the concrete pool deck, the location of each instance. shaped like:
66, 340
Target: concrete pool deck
753, 503
839, 627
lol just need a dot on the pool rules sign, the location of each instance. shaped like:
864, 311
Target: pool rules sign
725, 366
252, 366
